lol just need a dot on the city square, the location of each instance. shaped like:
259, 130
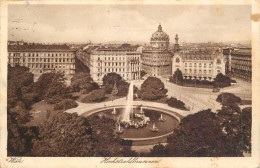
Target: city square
129, 88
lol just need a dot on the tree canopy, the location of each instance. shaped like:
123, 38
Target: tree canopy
95, 96
51, 87
207, 134
72, 135
228, 98
222, 81
83, 82
19, 98
177, 77
152, 89
112, 79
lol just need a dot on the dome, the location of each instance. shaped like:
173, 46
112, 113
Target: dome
160, 35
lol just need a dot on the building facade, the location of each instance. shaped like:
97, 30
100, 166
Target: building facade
125, 62
43, 58
241, 64
156, 58
199, 65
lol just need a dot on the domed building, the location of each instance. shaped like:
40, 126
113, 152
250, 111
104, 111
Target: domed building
156, 58
160, 39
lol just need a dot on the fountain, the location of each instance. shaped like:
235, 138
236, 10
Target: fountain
162, 119
119, 130
114, 111
129, 121
129, 105
154, 128
141, 111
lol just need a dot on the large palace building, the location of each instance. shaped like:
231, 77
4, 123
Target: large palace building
41, 59
201, 65
241, 64
156, 58
120, 60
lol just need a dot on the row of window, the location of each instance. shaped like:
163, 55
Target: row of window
49, 66
199, 65
199, 71
117, 58
118, 69
42, 54
52, 60
240, 58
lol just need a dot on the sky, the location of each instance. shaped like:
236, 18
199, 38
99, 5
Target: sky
128, 23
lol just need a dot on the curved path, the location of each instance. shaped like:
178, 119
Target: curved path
90, 108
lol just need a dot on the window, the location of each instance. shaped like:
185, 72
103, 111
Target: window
185, 64
218, 61
177, 60
205, 65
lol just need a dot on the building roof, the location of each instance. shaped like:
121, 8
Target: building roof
160, 35
39, 48
199, 55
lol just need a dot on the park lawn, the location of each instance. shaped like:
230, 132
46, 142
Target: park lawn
109, 97
39, 113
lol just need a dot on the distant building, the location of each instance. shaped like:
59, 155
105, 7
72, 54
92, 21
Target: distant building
121, 60
226, 54
201, 65
156, 58
43, 58
241, 64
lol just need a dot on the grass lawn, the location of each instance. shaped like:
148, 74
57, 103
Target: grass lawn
39, 113
109, 97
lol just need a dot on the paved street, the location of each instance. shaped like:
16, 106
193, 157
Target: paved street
202, 98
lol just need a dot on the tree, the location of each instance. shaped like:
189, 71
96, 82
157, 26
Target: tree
222, 81
95, 96
158, 151
228, 98
72, 135
109, 80
65, 104
173, 102
19, 98
113, 79
198, 135
123, 88
83, 82
142, 73
51, 87
177, 77
152, 89
207, 134
18, 78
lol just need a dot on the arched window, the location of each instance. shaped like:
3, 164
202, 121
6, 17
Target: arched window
177, 60
218, 61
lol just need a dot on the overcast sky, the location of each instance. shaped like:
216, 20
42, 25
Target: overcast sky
104, 23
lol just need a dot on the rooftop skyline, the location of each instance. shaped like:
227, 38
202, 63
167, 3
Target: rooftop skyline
128, 23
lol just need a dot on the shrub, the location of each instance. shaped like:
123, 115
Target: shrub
228, 98
173, 102
65, 104
94, 96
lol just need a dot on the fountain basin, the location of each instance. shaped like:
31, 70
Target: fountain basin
144, 135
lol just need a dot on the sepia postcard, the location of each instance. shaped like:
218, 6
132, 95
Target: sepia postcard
122, 83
